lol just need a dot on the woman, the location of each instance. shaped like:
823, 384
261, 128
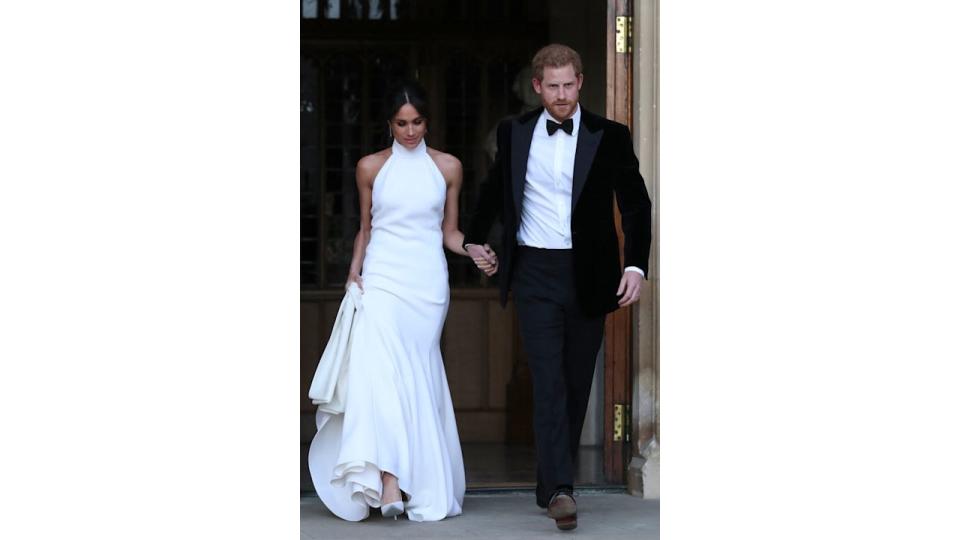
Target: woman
396, 445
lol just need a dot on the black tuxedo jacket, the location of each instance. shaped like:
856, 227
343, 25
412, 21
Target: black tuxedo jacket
605, 166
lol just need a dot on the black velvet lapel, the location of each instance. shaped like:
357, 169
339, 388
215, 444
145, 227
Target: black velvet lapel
587, 142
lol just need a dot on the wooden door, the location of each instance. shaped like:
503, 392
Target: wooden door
618, 353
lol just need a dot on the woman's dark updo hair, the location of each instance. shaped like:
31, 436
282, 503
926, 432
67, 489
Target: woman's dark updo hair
406, 92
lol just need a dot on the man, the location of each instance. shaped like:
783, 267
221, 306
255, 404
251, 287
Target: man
553, 183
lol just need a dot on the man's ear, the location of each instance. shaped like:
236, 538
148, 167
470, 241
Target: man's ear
579, 81
537, 85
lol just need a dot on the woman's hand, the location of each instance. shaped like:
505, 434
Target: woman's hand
354, 277
485, 258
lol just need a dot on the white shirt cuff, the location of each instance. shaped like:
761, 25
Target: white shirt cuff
634, 269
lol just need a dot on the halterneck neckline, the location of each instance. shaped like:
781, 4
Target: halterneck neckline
401, 150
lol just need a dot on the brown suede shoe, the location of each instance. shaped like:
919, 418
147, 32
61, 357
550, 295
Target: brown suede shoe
563, 509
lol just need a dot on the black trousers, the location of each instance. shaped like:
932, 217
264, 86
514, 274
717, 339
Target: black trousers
561, 345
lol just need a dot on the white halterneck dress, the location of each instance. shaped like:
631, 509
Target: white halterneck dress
398, 415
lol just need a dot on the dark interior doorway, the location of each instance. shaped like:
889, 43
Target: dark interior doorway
470, 56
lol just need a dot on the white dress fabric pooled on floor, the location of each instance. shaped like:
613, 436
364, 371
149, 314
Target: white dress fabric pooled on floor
398, 415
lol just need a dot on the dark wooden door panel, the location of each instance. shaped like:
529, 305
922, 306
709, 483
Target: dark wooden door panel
618, 352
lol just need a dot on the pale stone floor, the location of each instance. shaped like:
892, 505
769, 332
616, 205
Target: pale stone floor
499, 516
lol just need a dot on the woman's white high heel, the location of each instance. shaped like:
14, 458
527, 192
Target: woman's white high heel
393, 509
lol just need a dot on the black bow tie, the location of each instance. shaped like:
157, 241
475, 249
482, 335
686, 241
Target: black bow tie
566, 126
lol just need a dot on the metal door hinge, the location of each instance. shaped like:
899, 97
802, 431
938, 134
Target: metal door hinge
625, 34
617, 422
621, 420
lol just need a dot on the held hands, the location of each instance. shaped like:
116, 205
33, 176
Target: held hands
629, 289
484, 257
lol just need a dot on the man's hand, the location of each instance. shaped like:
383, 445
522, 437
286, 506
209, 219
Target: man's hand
629, 289
484, 257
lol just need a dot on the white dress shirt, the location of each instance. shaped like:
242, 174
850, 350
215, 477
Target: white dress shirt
548, 192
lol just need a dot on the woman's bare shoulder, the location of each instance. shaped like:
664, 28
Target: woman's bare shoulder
370, 165
447, 163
